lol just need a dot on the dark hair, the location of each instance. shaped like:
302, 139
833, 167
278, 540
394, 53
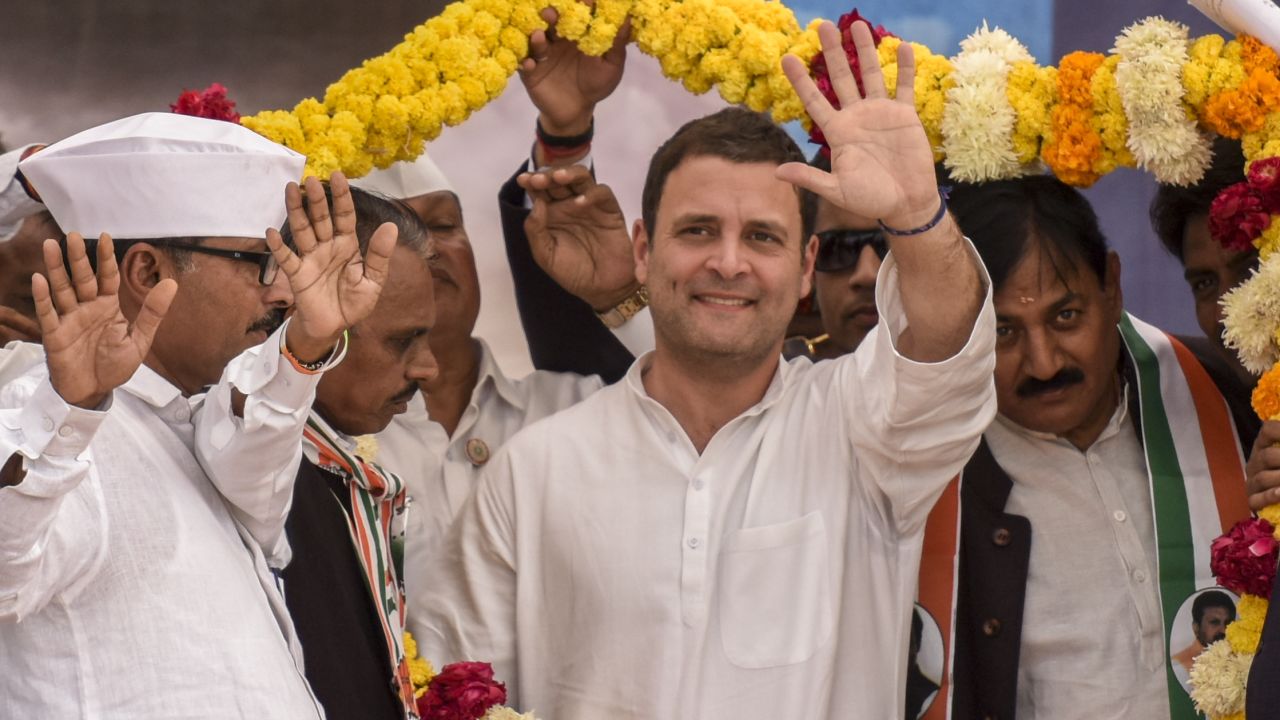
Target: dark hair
1172, 205
734, 134
1006, 218
372, 210
1212, 598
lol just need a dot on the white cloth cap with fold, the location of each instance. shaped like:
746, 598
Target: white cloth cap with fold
159, 175
405, 180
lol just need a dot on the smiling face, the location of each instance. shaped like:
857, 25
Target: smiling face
388, 355
1058, 346
726, 263
847, 298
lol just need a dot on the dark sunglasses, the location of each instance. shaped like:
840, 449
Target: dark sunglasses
839, 249
266, 262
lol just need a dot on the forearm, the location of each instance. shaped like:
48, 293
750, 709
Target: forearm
252, 455
941, 289
46, 541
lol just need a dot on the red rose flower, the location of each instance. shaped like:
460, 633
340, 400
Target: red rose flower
818, 66
1237, 217
1244, 560
212, 102
1264, 178
462, 691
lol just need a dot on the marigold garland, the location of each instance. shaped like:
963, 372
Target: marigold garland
1074, 149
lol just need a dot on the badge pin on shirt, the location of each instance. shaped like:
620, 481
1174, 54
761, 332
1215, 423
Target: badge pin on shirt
477, 452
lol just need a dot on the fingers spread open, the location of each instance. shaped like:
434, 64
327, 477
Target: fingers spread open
906, 92
86, 285
300, 226
285, 258
814, 103
377, 259
318, 211
108, 270
46, 315
868, 61
838, 69
344, 207
64, 295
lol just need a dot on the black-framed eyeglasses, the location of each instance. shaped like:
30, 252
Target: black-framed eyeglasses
266, 262
840, 249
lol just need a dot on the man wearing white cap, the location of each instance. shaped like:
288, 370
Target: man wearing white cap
129, 585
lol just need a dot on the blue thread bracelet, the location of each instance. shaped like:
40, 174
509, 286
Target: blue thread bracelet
942, 212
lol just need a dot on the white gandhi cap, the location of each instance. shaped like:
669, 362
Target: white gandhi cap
405, 180
158, 175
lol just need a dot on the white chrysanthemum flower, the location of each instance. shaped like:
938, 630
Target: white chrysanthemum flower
995, 41
1218, 678
1251, 315
978, 120
1162, 137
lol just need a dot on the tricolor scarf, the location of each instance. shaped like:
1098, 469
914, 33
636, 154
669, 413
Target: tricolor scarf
376, 496
1196, 480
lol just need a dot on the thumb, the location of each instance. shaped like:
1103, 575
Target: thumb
154, 307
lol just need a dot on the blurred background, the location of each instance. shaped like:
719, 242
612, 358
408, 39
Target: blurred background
66, 65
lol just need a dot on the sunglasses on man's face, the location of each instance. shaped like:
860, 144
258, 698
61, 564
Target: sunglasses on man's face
839, 249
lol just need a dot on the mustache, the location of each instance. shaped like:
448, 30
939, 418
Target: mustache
405, 395
1062, 379
268, 323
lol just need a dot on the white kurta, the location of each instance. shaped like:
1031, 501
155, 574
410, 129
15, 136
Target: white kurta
1092, 628
127, 589
437, 470
609, 570
17, 358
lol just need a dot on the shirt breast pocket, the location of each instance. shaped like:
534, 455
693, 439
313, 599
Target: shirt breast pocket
775, 599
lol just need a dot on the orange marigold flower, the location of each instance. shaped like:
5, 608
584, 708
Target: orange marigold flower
1075, 146
1266, 396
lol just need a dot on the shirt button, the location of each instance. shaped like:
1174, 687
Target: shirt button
1120, 516
693, 543
48, 424
1140, 575
991, 627
699, 483
66, 431
1001, 537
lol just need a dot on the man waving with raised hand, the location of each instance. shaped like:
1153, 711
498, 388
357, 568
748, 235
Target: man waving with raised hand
723, 534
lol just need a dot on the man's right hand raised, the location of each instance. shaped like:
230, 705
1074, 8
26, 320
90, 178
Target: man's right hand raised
90, 347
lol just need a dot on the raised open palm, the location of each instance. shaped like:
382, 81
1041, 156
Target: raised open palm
578, 235
334, 287
881, 162
90, 347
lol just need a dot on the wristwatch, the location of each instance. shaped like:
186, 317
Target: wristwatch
625, 310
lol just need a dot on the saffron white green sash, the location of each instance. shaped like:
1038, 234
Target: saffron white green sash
1196, 479
375, 496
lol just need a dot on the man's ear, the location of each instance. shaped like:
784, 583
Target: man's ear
640, 250
810, 255
143, 267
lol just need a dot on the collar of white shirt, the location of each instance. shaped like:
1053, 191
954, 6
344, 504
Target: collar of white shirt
635, 382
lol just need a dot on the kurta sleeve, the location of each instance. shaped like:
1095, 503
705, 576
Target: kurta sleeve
253, 459
470, 596
52, 530
913, 425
